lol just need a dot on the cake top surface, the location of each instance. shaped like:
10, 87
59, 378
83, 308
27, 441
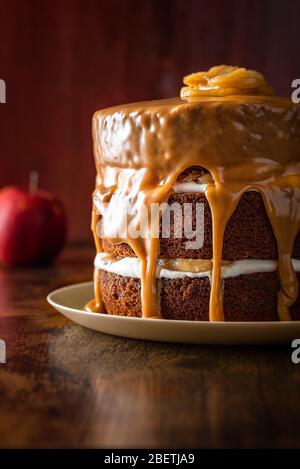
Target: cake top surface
208, 131
170, 105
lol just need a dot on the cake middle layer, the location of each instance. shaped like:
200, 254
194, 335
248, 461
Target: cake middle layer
248, 233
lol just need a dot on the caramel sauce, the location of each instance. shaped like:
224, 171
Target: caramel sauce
187, 265
245, 142
96, 305
93, 307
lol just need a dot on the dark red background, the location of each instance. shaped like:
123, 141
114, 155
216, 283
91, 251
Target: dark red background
62, 60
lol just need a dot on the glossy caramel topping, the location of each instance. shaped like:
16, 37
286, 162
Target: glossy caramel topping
245, 142
225, 80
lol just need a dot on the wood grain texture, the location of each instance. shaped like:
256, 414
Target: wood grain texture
66, 386
64, 59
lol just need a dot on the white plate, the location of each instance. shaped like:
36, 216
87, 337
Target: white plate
70, 300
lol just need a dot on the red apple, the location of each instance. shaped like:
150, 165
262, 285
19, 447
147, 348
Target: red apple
32, 226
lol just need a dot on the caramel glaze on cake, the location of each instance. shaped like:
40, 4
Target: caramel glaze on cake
249, 144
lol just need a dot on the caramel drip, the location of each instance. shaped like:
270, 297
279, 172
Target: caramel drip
147, 251
96, 305
95, 219
150, 304
283, 207
115, 221
222, 202
246, 143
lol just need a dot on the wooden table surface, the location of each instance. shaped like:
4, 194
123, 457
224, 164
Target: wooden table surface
66, 386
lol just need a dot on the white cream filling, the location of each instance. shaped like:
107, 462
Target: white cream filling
190, 186
131, 267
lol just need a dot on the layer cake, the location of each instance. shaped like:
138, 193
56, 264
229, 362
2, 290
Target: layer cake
228, 146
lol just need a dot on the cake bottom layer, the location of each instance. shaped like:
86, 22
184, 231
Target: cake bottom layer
251, 297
